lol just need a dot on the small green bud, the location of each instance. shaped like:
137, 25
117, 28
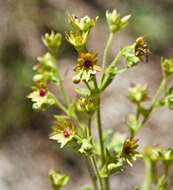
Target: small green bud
138, 93
116, 21
52, 41
47, 60
83, 24
167, 66
133, 124
77, 78
168, 99
57, 179
37, 77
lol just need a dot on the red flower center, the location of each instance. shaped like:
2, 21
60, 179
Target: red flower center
42, 92
88, 63
67, 132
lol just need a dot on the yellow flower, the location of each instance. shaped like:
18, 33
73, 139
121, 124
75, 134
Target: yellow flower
86, 66
63, 130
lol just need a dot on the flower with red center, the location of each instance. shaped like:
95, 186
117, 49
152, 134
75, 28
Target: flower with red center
86, 66
63, 130
42, 92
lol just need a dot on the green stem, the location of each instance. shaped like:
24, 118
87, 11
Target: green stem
93, 160
155, 99
149, 175
96, 174
91, 169
100, 133
117, 58
62, 88
61, 106
89, 125
106, 50
60, 81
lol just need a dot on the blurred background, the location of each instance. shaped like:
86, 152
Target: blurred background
26, 154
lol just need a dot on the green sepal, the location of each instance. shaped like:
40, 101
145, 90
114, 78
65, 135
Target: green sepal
86, 147
57, 179
129, 55
108, 77
133, 124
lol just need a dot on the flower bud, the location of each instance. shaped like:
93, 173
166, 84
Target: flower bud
167, 66
52, 41
116, 21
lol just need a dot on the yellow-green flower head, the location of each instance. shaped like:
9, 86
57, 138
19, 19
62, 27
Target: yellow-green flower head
86, 66
138, 93
167, 66
52, 41
129, 151
77, 40
83, 24
63, 130
116, 21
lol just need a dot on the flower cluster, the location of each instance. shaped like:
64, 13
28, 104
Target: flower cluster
111, 152
46, 72
80, 31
